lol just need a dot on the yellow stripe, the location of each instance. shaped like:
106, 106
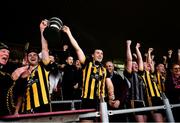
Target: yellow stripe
35, 95
148, 96
82, 92
87, 80
92, 86
150, 84
43, 90
157, 91
92, 89
159, 82
28, 99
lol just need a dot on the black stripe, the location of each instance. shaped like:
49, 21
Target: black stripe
45, 83
90, 83
85, 76
31, 97
148, 88
39, 89
154, 89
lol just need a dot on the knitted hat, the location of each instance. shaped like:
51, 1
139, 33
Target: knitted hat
3, 46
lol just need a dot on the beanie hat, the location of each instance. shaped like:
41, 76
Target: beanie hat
3, 46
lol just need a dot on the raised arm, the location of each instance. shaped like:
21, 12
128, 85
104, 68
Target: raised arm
139, 57
74, 43
178, 56
128, 64
44, 44
150, 59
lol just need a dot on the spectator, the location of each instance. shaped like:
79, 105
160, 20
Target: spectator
78, 80
120, 91
68, 81
55, 78
5, 79
173, 83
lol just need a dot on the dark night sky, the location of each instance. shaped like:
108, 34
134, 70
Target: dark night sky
101, 23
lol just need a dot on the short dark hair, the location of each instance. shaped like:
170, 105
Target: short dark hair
32, 50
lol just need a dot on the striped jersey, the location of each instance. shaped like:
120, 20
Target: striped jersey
93, 80
151, 85
160, 80
36, 90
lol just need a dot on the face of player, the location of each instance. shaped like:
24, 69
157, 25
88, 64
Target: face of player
98, 55
160, 68
33, 58
134, 66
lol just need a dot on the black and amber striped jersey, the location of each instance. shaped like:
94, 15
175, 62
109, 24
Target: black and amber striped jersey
160, 80
94, 78
152, 88
36, 89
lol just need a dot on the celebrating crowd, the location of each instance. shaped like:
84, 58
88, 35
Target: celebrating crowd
44, 76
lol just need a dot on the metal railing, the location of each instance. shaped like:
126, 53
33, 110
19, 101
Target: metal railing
104, 113
167, 107
72, 102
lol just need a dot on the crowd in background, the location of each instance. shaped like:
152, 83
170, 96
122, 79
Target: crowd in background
30, 84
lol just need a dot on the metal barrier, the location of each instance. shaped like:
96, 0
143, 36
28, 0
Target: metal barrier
169, 113
67, 101
167, 107
76, 115
124, 111
104, 112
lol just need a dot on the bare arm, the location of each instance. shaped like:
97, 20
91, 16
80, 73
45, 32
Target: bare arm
74, 43
170, 51
44, 44
178, 56
18, 72
110, 89
128, 65
169, 59
112, 102
150, 60
165, 61
139, 57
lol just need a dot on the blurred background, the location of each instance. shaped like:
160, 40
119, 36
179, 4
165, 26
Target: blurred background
96, 23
